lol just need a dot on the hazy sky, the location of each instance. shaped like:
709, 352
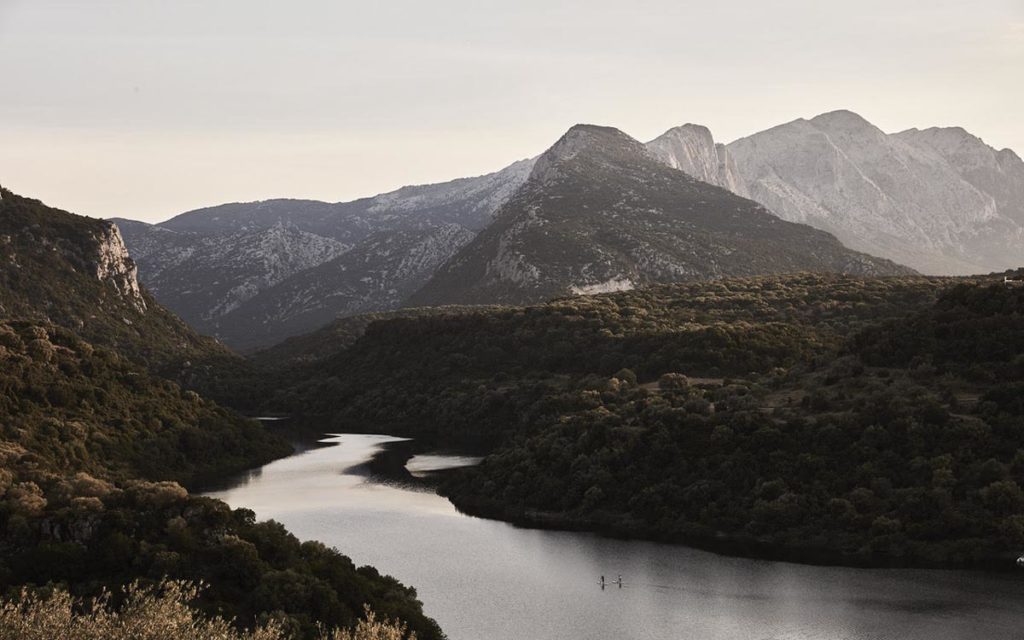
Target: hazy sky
147, 108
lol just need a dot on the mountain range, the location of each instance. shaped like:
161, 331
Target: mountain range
601, 213
210, 265
939, 201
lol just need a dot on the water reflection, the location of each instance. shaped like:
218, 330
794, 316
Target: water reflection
422, 465
486, 579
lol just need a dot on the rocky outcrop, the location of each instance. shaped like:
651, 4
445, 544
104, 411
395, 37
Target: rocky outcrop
997, 174
692, 149
70, 271
113, 265
204, 278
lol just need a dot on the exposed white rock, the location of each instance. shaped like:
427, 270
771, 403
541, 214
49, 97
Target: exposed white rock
900, 196
376, 275
609, 286
999, 174
114, 266
601, 213
692, 149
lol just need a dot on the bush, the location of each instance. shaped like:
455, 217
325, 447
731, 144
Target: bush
155, 612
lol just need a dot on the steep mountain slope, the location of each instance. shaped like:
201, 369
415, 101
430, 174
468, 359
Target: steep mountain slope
72, 271
999, 174
205, 264
378, 275
600, 213
897, 196
692, 149
203, 278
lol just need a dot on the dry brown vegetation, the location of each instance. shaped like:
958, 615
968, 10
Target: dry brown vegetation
160, 612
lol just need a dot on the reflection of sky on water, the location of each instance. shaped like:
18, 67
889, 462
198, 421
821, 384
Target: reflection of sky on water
487, 579
423, 464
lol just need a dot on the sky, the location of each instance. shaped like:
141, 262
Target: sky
148, 108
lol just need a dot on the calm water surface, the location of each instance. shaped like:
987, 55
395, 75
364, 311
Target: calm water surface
487, 580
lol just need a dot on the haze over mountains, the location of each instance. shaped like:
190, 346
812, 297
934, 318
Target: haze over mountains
939, 201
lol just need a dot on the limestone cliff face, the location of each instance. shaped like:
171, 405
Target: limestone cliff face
939, 200
71, 271
692, 149
113, 265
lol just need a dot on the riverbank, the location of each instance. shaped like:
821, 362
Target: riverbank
484, 578
389, 463
716, 542
298, 434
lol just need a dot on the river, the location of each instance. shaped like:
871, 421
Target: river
487, 580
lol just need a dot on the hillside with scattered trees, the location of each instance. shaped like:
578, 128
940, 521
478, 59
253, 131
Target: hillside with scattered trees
99, 431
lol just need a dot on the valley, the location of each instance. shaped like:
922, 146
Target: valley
642, 363
544, 584
544, 320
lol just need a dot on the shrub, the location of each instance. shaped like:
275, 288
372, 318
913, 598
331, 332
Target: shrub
153, 612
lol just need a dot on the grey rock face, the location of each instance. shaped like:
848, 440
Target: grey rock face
692, 149
597, 212
939, 200
114, 266
377, 275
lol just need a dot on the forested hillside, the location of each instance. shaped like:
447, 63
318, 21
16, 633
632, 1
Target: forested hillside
834, 419
74, 272
459, 370
97, 438
906, 449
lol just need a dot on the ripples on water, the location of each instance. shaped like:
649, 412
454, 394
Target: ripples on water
483, 579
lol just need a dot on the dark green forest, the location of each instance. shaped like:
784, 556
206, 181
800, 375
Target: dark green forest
91, 451
815, 418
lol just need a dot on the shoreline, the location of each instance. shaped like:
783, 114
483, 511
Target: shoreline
388, 464
718, 543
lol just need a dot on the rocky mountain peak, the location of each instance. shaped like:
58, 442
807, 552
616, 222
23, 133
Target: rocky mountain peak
1009, 156
603, 213
843, 119
692, 149
585, 141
